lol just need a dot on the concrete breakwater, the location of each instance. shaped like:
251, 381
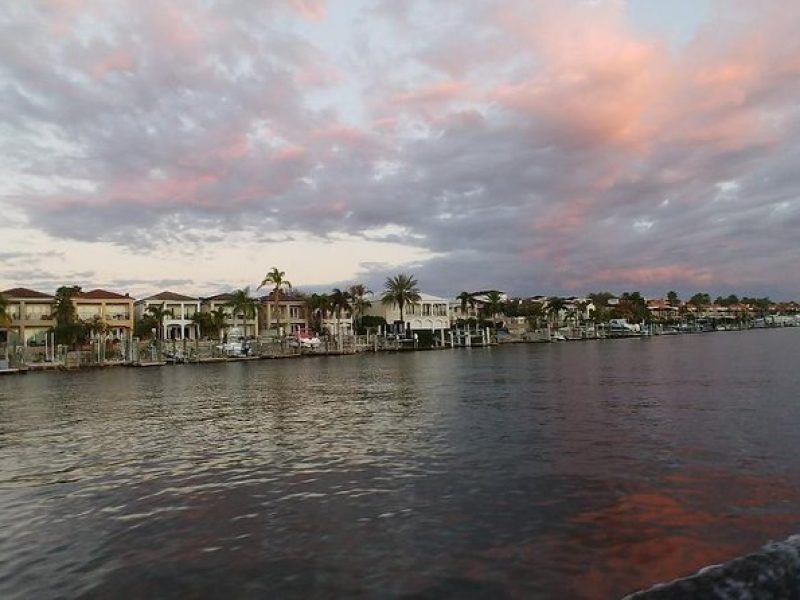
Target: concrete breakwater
773, 573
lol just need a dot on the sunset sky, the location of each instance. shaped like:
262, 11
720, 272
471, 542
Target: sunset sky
538, 147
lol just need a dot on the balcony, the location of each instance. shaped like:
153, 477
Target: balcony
38, 317
118, 317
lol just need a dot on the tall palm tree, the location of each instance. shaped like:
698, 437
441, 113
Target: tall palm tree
277, 279
159, 312
243, 304
339, 301
467, 301
358, 299
218, 319
400, 290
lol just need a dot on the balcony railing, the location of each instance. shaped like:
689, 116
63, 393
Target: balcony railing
38, 317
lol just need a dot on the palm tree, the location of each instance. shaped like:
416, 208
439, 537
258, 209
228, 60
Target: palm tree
203, 322
467, 300
317, 306
339, 300
494, 304
159, 312
358, 299
400, 290
244, 305
554, 307
218, 319
277, 280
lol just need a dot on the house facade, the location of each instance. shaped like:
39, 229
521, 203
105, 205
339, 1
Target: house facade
178, 325
290, 315
31, 314
113, 309
430, 313
248, 326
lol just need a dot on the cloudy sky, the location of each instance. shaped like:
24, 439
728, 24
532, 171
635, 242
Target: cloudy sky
549, 146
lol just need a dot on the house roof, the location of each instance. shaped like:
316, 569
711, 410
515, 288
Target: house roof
24, 293
171, 296
226, 297
431, 298
289, 296
101, 295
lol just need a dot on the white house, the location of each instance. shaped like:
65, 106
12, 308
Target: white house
178, 325
430, 313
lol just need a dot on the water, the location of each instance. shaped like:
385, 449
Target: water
582, 470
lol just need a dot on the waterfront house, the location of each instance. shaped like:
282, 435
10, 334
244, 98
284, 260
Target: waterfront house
429, 314
248, 326
290, 316
113, 309
31, 314
178, 324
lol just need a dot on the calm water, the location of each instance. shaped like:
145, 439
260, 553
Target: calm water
582, 470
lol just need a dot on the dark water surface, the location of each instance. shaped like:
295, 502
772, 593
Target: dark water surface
582, 470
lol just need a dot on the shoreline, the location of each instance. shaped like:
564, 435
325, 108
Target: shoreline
48, 367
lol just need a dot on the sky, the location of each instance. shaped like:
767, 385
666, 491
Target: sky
537, 147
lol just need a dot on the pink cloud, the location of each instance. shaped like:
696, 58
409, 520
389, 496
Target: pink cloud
311, 10
119, 60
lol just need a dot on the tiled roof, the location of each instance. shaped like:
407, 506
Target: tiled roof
226, 297
172, 296
25, 293
102, 295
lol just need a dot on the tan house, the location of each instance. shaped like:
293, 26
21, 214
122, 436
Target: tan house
248, 326
291, 313
115, 310
31, 315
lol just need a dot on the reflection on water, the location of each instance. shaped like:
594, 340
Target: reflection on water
585, 470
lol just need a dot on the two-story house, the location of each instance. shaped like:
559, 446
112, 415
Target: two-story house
430, 313
290, 314
31, 316
178, 323
113, 309
248, 325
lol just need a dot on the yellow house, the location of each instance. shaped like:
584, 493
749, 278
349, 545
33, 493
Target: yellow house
31, 315
115, 310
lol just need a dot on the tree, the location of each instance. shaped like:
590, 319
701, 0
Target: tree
400, 290
218, 319
672, 298
277, 279
203, 322
5, 318
467, 300
339, 300
554, 307
358, 299
494, 304
242, 304
68, 330
159, 312
317, 305
632, 306
699, 301
535, 312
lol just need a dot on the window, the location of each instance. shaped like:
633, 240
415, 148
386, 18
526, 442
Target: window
294, 312
426, 310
